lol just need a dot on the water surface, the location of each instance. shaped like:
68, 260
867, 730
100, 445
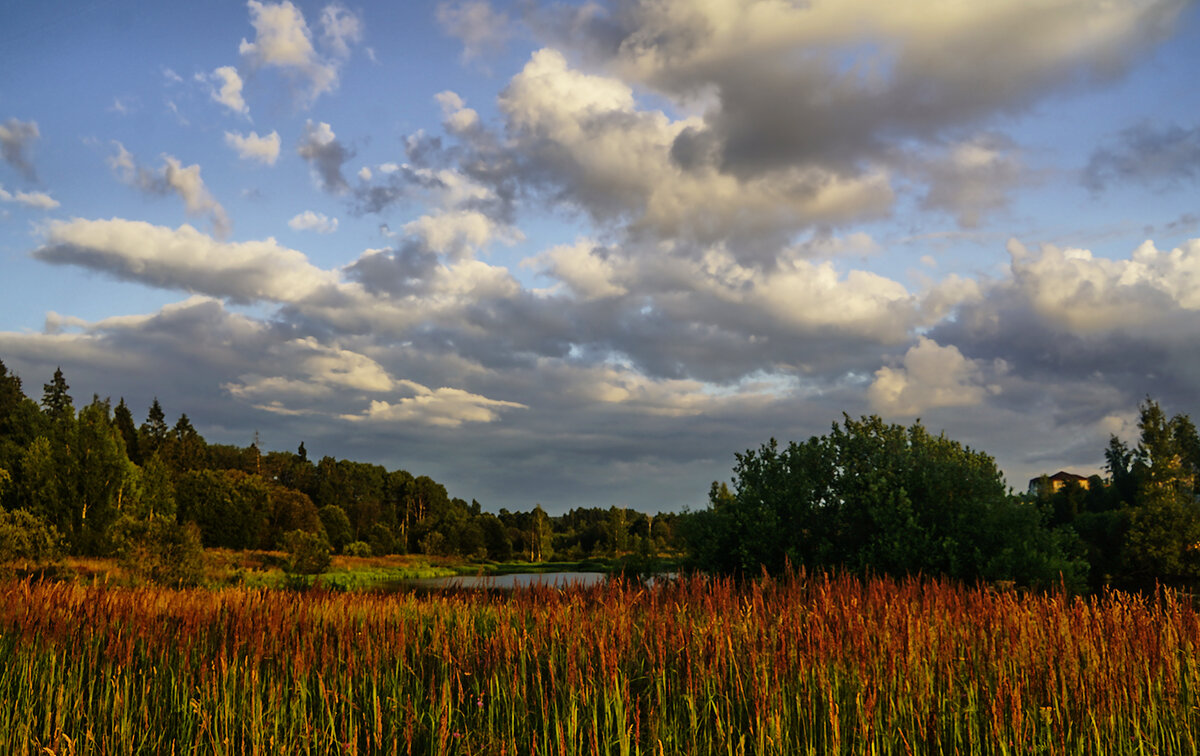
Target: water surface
511, 581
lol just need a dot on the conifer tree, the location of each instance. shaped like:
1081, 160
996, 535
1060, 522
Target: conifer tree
123, 420
55, 399
154, 431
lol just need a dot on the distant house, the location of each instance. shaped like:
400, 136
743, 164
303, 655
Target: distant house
1056, 482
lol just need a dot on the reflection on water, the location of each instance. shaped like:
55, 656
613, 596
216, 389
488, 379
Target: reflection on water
508, 582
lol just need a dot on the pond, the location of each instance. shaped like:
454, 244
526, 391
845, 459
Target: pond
511, 581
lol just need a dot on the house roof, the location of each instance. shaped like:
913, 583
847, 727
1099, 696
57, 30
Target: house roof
1061, 476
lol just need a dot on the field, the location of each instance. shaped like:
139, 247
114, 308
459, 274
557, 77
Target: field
698, 666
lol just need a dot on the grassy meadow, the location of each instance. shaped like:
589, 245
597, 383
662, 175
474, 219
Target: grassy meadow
800, 665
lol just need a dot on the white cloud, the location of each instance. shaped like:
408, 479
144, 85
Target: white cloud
16, 138
973, 179
1075, 291
264, 149
458, 233
585, 267
39, 200
183, 258
481, 29
459, 119
229, 91
124, 105
930, 376
311, 221
172, 178
321, 149
586, 133
443, 407
837, 80
340, 28
291, 376
283, 40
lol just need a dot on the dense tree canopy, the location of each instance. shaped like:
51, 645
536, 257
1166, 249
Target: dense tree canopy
1144, 526
876, 497
151, 494
868, 496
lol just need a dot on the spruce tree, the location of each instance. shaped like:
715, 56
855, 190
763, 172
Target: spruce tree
154, 431
55, 400
123, 419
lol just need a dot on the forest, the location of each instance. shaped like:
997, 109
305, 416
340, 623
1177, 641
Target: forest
93, 482
867, 498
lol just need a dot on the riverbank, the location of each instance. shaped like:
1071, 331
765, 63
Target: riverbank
266, 569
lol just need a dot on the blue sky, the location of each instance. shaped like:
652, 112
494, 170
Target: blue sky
580, 253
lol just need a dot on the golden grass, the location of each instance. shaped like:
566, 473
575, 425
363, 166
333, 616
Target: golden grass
700, 666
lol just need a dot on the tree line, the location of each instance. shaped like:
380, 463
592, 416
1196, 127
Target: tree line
867, 497
871, 497
94, 482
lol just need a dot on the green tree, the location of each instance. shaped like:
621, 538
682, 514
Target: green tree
157, 491
10, 393
876, 497
185, 449
287, 510
123, 419
1163, 537
308, 553
383, 542
337, 526
43, 489
540, 534
27, 538
154, 432
229, 506
56, 401
160, 550
21, 421
103, 475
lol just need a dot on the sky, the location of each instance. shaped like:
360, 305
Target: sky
580, 254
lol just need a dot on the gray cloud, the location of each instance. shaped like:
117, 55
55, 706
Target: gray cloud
807, 114
825, 83
481, 29
16, 138
973, 178
284, 41
172, 178
626, 367
1160, 157
1068, 324
183, 259
326, 155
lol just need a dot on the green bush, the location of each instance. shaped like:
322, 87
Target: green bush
25, 537
337, 525
381, 540
160, 550
308, 553
357, 549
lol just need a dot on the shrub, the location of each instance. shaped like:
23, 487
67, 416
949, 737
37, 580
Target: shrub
25, 537
337, 525
381, 540
308, 553
160, 550
357, 549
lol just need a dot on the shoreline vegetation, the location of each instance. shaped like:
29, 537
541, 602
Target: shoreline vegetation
700, 665
224, 568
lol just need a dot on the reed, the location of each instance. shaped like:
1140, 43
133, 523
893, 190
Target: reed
799, 665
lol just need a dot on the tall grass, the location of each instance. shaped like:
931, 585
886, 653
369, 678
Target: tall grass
700, 666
